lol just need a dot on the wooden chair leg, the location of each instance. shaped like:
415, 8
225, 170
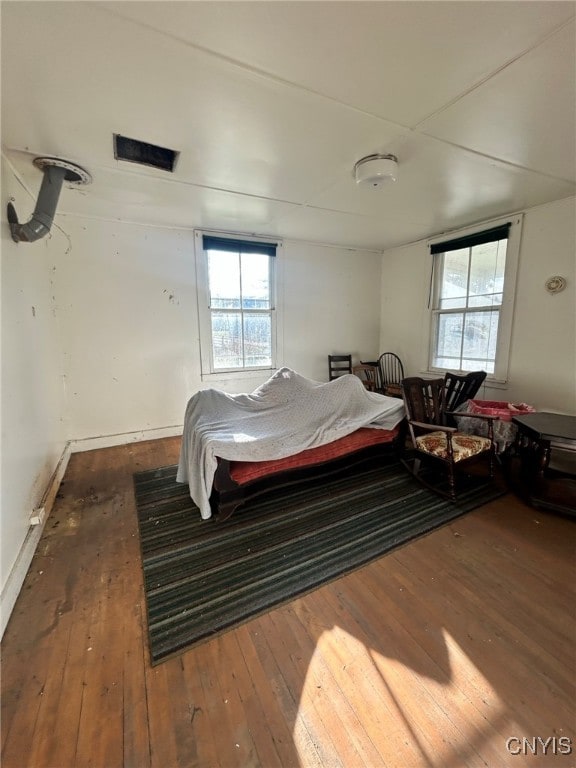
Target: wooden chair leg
492, 462
451, 483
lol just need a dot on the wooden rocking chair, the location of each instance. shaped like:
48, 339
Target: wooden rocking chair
435, 444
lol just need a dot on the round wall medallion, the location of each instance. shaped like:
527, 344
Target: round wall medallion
555, 284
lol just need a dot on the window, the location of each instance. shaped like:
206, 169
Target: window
236, 279
473, 292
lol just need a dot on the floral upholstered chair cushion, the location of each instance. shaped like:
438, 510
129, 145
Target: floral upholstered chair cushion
463, 446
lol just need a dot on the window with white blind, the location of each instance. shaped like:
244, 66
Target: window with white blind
237, 301
473, 283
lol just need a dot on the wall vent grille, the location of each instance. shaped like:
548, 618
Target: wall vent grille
134, 151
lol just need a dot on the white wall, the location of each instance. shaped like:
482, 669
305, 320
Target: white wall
542, 368
127, 309
331, 299
33, 432
126, 300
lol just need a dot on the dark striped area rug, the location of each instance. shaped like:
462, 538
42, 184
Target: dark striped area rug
204, 576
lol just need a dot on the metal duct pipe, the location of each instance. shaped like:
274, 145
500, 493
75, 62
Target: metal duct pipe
55, 173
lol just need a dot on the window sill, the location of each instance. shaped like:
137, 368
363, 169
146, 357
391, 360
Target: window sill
496, 384
257, 373
488, 382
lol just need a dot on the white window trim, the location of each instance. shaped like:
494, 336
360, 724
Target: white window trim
500, 376
204, 321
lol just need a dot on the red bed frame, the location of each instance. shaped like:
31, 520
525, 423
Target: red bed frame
237, 481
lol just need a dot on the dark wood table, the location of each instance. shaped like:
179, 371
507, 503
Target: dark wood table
539, 434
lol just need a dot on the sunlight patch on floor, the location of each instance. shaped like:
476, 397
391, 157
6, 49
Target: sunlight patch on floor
461, 717
360, 707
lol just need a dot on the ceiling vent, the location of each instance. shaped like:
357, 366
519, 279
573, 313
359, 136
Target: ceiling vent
134, 151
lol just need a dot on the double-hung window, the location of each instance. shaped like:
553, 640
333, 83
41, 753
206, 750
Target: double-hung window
473, 293
236, 279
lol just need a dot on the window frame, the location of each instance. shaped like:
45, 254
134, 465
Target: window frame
506, 309
208, 371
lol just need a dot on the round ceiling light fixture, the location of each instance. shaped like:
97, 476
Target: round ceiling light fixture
376, 170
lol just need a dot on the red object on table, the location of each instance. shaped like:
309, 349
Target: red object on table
500, 409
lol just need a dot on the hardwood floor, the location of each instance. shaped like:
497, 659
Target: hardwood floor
438, 655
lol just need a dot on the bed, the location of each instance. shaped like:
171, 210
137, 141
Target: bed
235, 482
237, 446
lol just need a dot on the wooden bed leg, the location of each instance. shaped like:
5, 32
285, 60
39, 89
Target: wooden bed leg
226, 510
226, 493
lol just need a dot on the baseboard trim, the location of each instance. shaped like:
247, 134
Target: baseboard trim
124, 438
18, 573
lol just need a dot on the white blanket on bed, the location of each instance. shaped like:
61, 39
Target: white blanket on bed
284, 416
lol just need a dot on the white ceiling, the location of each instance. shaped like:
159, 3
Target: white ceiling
270, 104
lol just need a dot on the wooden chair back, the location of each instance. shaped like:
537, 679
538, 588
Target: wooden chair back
338, 365
390, 374
460, 387
368, 374
424, 400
